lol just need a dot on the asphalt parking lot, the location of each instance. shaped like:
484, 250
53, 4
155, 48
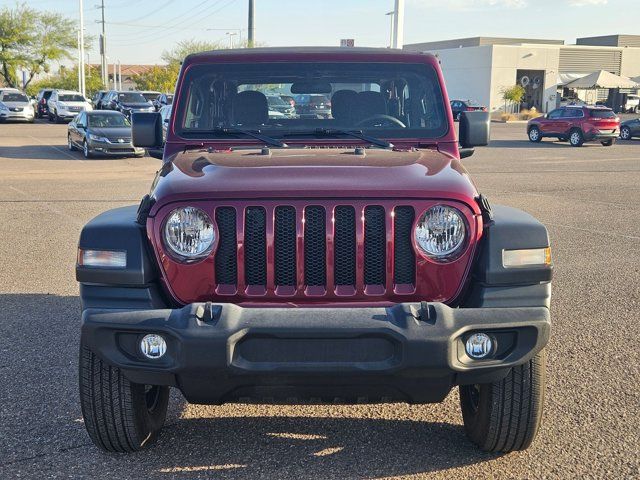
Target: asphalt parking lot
589, 199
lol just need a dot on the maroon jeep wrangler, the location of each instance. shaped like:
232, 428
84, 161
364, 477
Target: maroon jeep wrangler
293, 259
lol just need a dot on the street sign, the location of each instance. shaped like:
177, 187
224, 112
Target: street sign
347, 42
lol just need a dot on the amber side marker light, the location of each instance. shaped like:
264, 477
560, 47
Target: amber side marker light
102, 258
530, 257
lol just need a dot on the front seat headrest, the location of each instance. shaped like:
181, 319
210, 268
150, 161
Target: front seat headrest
250, 108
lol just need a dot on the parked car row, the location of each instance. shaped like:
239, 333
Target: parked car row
143, 100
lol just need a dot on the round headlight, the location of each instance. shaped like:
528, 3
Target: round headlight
441, 232
189, 233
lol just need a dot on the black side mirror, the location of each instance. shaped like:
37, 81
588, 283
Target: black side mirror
475, 129
146, 129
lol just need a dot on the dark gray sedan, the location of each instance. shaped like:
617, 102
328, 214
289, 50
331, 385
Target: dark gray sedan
630, 129
102, 133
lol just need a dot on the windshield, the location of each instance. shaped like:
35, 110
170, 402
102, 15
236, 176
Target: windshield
71, 97
169, 99
392, 100
131, 97
14, 97
150, 95
107, 121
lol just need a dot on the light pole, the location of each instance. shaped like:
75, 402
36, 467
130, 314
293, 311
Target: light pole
81, 42
391, 14
398, 24
231, 35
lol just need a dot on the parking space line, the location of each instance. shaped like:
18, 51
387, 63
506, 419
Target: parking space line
64, 152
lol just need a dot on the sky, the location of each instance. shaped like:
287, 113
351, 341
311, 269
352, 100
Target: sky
138, 31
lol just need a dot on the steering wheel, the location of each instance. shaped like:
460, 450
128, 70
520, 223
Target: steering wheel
378, 119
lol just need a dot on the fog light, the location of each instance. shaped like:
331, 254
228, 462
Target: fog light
479, 345
153, 346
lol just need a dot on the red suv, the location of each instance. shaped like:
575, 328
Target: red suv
577, 124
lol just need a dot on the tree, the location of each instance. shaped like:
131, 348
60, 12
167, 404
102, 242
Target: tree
67, 79
31, 40
161, 78
513, 95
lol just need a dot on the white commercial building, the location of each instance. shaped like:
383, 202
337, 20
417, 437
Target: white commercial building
480, 68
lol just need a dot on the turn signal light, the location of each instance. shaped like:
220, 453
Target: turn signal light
102, 258
529, 257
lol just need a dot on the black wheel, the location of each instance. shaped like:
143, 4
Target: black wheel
625, 133
119, 416
505, 415
85, 150
575, 138
457, 117
56, 118
534, 134
50, 117
608, 143
70, 144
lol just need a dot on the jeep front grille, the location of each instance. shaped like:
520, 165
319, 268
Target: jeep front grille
314, 250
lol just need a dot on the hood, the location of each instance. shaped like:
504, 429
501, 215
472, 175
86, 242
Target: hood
17, 104
313, 173
112, 132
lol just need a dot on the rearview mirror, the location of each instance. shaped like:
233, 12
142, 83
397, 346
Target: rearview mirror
475, 129
146, 129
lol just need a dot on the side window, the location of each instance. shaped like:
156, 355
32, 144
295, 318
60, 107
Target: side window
555, 114
82, 119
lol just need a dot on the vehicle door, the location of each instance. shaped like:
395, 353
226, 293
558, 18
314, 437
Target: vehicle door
571, 117
80, 128
552, 124
52, 102
635, 127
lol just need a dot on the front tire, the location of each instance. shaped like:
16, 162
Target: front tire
504, 416
119, 416
576, 139
70, 144
535, 135
625, 133
608, 143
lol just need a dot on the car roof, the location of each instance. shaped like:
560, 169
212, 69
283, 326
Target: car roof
59, 90
344, 52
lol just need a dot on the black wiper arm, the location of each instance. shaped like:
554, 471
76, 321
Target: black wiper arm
239, 131
352, 133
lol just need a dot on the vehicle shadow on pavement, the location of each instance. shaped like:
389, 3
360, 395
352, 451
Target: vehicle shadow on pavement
40, 152
311, 447
42, 431
531, 145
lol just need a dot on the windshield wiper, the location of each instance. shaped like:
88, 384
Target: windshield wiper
239, 131
328, 132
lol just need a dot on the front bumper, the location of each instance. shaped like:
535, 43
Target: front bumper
19, 116
410, 352
115, 149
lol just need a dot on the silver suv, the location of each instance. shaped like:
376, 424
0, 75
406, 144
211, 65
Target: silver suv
66, 105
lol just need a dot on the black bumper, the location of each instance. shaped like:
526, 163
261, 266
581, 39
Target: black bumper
409, 352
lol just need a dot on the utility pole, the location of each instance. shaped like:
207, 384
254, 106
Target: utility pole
103, 50
398, 24
119, 75
81, 63
251, 39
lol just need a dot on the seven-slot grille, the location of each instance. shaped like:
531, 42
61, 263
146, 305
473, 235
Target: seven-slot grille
314, 249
